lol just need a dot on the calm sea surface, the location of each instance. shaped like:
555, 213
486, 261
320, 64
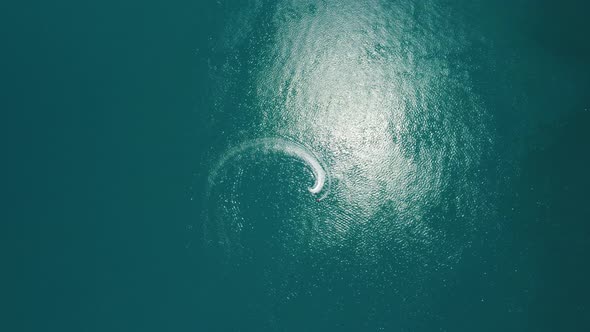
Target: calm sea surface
299, 166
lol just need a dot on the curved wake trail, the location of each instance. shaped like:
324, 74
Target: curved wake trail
277, 145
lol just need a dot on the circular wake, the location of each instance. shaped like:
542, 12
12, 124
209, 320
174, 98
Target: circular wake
278, 145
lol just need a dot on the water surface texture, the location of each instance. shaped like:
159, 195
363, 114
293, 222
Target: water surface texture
296, 165
402, 105
383, 94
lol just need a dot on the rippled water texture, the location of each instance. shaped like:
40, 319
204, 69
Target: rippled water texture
382, 94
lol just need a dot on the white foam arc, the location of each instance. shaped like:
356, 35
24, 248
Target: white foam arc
277, 145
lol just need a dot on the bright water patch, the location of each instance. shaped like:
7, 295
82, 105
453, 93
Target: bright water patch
385, 92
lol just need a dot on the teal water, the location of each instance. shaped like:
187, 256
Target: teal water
298, 166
